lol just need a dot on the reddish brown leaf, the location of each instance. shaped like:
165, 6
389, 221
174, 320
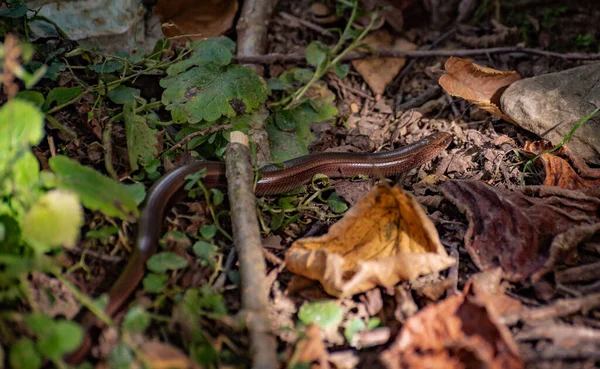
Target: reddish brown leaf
198, 19
479, 85
459, 332
558, 170
524, 232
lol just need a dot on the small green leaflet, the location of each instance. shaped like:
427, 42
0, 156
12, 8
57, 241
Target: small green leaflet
141, 139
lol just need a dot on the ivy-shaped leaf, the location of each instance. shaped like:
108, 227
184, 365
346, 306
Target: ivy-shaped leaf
209, 92
217, 50
61, 95
141, 139
96, 191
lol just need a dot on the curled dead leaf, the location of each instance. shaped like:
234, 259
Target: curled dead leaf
310, 349
379, 72
164, 356
479, 85
459, 332
525, 232
559, 171
198, 19
384, 239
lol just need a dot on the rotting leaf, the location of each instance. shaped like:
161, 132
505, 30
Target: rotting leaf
479, 85
459, 332
525, 232
311, 348
195, 20
165, 356
141, 139
558, 170
384, 239
379, 72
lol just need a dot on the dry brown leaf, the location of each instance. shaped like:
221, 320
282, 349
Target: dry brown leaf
384, 239
479, 85
199, 19
525, 232
379, 72
310, 349
459, 332
164, 356
558, 170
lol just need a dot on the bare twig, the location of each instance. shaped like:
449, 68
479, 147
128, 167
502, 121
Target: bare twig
429, 94
240, 186
295, 58
252, 42
582, 273
559, 308
305, 23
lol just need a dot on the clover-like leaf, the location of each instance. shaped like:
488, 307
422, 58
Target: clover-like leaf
209, 92
164, 261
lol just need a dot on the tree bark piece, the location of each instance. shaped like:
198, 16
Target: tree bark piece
249, 248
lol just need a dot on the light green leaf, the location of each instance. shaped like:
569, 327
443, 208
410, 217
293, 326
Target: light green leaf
122, 94
322, 313
316, 53
354, 326
164, 261
96, 191
209, 92
141, 139
121, 357
21, 125
154, 283
23, 355
63, 337
54, 220
136, 320
204, 250
137, 191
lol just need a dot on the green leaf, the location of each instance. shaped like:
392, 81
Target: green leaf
217, 196
21, 125
121, 357
141, 139
204, 250
122, 94
277, 220
136, 320
336, 203
209, 92
217, 51
40, 324
18, 10
109, 66
164, 261
102, 233
322, 313
137, 191
354, 326
154, 283
373, 323
54, 220
208, 231
342, 70
63, 337
61, 95
316, 53
35, 97
203, 300
96, 191
23, 355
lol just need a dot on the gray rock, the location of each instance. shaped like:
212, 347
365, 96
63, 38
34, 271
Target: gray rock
559, 100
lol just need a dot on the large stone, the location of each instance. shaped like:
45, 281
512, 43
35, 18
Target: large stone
553, 103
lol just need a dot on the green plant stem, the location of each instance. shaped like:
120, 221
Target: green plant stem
70, 102
530, 162
58, 125
323, 69
83, 299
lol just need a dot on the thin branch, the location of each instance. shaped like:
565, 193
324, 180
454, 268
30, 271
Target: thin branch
386, 53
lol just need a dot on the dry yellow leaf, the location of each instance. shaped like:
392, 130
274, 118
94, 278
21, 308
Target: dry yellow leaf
379, 72
164, 356
384, 239
479, 85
